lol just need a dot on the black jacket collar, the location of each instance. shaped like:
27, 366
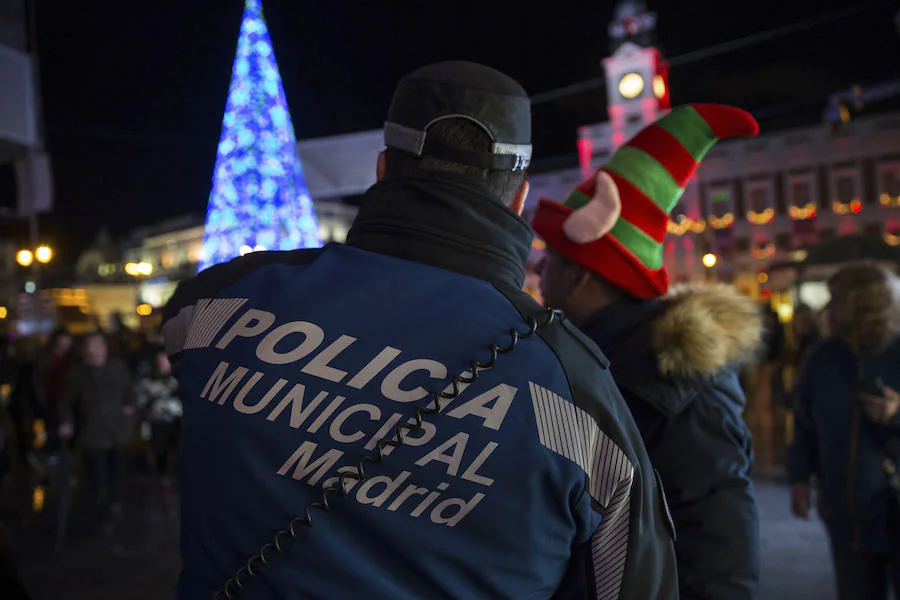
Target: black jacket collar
447, 222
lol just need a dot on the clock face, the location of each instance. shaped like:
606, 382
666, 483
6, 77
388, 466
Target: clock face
631, 85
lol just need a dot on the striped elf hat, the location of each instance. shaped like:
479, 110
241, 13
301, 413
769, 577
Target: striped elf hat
614, 224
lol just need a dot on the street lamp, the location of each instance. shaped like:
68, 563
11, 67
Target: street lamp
43, 254
138, 269
709, 260
24, 257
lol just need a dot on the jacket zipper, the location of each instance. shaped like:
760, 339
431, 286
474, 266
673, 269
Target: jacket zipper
851, 467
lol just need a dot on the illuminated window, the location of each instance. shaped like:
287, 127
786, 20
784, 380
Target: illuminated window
802, 202
889, 194
193, 253
846, 189
167, 258
339, 234
721, 209
801, 193
759, 199
720, 202
759, 202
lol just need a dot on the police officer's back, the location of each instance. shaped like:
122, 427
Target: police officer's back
531, 481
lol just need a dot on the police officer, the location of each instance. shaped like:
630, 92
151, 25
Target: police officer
394, 417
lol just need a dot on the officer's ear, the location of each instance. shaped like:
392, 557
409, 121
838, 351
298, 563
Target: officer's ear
518, 203
380, 166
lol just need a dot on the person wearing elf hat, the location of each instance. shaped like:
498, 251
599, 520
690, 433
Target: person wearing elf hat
675, 354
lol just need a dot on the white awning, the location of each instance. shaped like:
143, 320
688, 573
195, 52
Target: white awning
342, 165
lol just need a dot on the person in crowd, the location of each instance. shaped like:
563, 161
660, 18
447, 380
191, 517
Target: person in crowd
766, 394
509, 464
846, 433
674, 354
22, 398
100, 389
146, 352
49, 375
805, 334
773, 357
160, 408
7, 426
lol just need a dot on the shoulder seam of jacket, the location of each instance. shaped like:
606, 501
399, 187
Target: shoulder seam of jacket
212, 281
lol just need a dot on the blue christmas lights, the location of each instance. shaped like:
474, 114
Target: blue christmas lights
259, 198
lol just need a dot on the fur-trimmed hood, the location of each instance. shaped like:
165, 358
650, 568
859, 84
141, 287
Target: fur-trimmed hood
702, 329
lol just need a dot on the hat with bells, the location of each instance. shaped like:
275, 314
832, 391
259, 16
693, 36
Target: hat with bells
614, 224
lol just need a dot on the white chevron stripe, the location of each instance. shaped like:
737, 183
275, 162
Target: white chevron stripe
209, 317
609, 544
572, 433
175, 331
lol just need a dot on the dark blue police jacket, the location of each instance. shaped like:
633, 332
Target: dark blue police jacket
531, 483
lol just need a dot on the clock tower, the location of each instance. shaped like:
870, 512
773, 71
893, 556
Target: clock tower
637, 86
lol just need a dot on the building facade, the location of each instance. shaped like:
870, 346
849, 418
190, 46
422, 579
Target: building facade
170, 251
752, 203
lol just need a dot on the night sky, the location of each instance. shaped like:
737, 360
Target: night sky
134, 92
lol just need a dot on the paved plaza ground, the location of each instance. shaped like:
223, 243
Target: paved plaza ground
142, 562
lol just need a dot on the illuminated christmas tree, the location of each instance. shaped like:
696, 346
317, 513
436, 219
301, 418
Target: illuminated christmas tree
259, 198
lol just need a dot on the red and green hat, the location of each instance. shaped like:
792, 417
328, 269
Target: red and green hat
614, 224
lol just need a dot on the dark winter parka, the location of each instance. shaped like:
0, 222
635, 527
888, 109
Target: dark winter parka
676, 362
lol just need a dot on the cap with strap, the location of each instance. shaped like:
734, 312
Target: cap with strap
462, 90
617, 230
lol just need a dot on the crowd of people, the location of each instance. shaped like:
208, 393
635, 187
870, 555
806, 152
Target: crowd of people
101, 397
599, 446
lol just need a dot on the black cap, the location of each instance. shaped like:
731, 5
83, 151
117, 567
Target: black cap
462, 90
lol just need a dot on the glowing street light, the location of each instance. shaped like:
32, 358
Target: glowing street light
43, 254
137, 269
25, 258
709, 260
3, 312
